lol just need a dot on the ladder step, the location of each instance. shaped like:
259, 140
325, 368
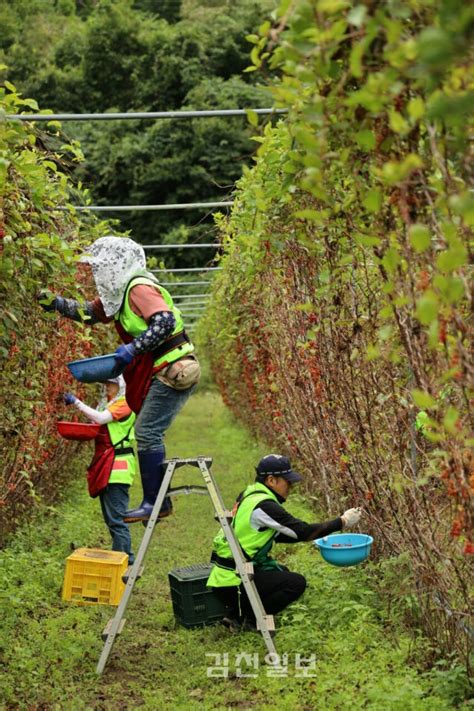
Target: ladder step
108, 628
227, 514
270, 623
187, 489
126, 575
191, 462
249, 570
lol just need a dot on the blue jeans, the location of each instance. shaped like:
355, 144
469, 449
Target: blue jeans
114, 503
159, 409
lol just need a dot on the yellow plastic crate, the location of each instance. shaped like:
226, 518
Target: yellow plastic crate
94, 576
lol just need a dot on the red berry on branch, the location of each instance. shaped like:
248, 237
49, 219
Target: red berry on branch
456, 529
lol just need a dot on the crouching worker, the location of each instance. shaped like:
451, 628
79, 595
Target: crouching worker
259, 520
113, 467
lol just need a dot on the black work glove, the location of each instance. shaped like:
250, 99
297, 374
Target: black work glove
47, 300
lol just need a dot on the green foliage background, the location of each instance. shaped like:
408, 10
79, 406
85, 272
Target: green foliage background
49, 648
38, 247
343, 308
344, 304
129, 56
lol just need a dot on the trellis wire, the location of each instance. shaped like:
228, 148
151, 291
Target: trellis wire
180, 246
184, 283
188, 269
142, 115
131, 208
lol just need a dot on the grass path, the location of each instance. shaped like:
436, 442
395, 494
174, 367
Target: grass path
49, 649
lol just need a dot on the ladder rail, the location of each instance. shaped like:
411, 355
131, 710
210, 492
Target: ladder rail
145, 542
245, 570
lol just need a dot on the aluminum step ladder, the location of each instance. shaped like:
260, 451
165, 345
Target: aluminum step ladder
265, 623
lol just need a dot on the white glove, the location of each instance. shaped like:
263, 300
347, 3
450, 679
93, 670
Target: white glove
351, 517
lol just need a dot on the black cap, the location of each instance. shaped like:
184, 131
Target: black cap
278, 466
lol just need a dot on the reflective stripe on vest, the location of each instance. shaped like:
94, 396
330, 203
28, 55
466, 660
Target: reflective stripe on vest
135, 325
122, 434
251, 540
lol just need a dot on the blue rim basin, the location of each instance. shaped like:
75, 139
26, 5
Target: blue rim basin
95, 370
344, 549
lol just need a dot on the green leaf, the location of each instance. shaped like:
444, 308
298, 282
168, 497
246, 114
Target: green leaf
31, 103
451, 419
385, 332
313, 215
427, 307
372, 201
367, 240
366, 139
422, 420
307, 307
393, 172
463, 205
252, 117
420, 237
416, 108
372, 352
453, 258
398, 123
357, 15
391, 259
451, 288
332, 6
423, 400
255, 56
355, 59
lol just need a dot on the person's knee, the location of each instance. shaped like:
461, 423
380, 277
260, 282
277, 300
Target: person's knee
298, 584
147, 439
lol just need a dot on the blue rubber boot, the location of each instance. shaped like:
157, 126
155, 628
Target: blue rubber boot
152, 472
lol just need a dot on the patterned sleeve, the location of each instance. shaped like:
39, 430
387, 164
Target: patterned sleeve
160, 327
90, 312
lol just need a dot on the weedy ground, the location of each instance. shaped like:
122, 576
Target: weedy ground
364, 657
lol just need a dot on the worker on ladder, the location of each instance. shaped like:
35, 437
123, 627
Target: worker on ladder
259, 520
157, 357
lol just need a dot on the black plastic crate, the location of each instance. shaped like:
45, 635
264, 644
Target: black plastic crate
194, 605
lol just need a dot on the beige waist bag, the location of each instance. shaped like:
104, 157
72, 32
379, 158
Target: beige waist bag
181, 374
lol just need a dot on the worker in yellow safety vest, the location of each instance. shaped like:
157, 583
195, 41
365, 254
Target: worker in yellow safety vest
156, 357
111, 472
259, 520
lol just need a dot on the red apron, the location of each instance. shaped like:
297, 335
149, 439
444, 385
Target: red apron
99, 470
138, 374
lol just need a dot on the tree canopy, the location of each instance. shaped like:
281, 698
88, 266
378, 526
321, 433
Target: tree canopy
120, 55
